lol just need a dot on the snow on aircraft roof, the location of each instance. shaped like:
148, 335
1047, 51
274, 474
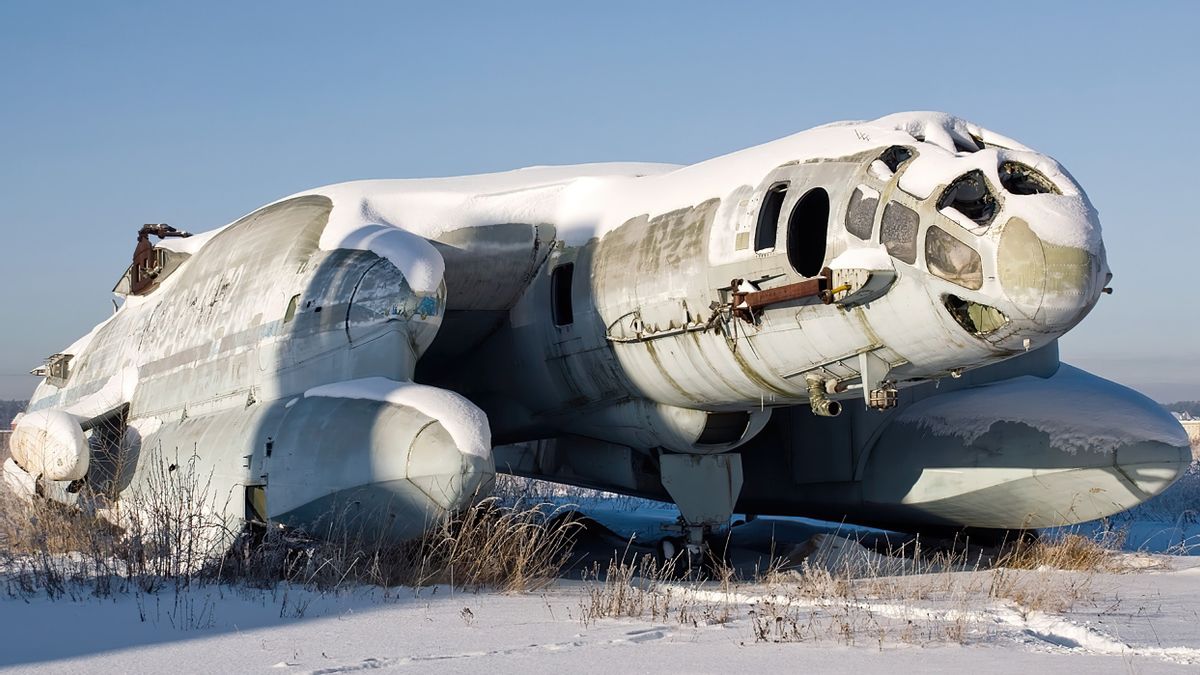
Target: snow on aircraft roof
578, 199
382, 216
448, 190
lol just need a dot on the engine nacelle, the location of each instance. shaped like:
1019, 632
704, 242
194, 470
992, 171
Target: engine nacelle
399, 454
51, 444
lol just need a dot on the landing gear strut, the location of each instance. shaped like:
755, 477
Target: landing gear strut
705, 488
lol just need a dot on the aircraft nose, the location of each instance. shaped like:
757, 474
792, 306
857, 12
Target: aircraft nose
1052, 286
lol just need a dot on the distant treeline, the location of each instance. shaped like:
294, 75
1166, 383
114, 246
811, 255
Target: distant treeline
9, 410
1190, 407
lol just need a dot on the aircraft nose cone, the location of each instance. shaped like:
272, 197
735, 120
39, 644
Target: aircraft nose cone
1052, 286
449, 478
1152, 466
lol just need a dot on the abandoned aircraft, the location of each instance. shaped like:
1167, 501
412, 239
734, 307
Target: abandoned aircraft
857, 322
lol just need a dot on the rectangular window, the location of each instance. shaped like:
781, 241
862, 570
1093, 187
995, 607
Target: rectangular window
560, 294
860, 214
898, 231
768, 217
291, 309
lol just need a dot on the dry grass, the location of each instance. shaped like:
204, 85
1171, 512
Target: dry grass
1067, 552
510, 549
858, 596
44, 526
647, 588
174, 536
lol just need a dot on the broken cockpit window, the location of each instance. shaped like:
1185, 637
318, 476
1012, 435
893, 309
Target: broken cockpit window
860, 213
898, 231
952, 260
1020, 179
894, 156
965, 143
970, 195
978, 320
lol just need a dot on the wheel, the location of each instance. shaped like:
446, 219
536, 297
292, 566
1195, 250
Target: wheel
669, 548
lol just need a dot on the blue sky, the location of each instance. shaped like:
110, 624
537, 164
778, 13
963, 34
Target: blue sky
117, 114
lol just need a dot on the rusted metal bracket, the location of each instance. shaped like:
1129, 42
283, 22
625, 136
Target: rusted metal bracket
747, 304
147, 264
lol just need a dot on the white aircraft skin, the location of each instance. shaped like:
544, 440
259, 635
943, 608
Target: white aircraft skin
612, 321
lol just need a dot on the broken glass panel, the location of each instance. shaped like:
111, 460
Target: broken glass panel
58, 369
969, 195
1024, 180
979, 320
894, 156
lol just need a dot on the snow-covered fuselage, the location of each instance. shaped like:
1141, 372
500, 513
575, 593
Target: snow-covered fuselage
602, 323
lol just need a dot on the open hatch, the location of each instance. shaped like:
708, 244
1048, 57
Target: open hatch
150, 264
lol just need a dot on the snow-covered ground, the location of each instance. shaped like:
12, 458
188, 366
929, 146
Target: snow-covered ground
1143, 618
1135, 622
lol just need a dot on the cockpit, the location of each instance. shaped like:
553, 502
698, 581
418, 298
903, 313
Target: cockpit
963, 234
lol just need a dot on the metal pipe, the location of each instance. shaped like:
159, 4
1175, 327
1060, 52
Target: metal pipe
819, 400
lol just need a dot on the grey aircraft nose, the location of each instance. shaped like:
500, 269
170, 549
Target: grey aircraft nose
1052, 286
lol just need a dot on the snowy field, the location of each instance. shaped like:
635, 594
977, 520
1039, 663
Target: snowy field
1139, 612
1142, 621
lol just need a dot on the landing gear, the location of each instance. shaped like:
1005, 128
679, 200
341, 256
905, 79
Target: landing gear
705, 488
670, 547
